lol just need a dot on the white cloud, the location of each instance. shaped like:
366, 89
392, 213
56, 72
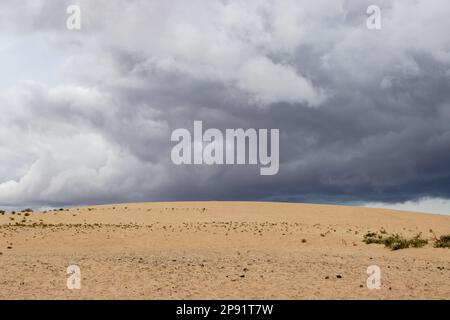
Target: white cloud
225, 42
427, 205
64, 155
271, 83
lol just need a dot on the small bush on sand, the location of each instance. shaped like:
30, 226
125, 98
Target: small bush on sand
27, 210
417, 241
395, 241
442, 242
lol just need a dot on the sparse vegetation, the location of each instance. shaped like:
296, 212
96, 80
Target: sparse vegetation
27, 210
394, 241
442, 241
2, 212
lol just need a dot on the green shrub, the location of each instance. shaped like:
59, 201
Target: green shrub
395, 241
417, 241
442, 242
371, 237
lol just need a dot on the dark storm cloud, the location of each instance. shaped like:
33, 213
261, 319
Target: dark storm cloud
363, 115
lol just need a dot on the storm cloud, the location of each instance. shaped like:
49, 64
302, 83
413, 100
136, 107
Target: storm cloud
86, 115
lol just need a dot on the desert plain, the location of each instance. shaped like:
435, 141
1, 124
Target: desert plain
219, 250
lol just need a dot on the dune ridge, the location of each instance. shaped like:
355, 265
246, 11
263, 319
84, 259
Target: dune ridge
219, 250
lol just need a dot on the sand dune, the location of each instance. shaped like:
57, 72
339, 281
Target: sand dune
219, 250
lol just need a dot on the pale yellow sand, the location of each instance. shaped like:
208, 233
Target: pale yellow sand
219, 250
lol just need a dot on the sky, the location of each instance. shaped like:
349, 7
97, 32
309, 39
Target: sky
87, 115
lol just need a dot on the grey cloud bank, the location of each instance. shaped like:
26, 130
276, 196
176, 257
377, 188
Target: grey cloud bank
364, 115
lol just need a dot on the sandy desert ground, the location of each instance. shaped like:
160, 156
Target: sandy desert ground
219, 250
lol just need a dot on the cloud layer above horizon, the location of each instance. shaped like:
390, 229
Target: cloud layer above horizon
364, 116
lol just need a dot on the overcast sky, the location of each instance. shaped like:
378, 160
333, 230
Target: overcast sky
86, 115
